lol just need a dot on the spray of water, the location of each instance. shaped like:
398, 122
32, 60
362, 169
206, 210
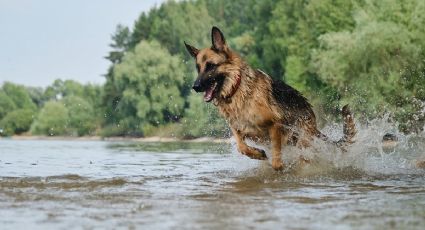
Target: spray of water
369, 155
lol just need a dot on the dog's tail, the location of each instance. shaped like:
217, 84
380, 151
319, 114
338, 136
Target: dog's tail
349, 129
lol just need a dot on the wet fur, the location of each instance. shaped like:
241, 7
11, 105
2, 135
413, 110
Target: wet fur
262, 109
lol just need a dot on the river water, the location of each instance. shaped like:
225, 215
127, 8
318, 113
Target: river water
133, 185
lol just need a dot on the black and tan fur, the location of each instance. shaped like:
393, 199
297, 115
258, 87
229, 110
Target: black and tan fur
255, 105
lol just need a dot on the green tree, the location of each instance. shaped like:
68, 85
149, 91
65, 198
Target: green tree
6, 104
37, 95
152, 83
16, 122
173, 22
51, 120
60, 89
378, 66
293, 30
81, 119
93, 94
19, 96
202, 119
120, 43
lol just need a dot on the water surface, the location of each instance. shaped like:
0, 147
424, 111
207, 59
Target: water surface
95, 184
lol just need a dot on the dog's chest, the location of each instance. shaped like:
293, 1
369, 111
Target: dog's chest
251, 118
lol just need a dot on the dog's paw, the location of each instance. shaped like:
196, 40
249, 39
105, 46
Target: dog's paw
254, 153
261, 154
258, 154
420, 164
277, 164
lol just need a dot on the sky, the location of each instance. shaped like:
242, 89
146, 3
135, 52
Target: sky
42, 40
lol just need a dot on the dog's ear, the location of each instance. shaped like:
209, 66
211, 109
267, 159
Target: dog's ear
217, 39
192, 50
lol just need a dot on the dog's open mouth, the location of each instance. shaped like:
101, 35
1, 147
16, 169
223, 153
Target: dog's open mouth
209, 92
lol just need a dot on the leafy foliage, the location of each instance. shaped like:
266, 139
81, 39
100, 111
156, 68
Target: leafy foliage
202, 120
18, 95
172, 22
152, 84
16, 122
6, 104
378, 66
52, 120
80, 116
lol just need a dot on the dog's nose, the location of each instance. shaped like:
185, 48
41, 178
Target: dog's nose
197, 86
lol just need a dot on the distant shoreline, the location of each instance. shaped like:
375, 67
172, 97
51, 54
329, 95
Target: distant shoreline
135, 139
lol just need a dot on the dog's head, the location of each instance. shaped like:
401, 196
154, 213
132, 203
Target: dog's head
216, 76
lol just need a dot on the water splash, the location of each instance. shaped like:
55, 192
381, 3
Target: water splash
368, 156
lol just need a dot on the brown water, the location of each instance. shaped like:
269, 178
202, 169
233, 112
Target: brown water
109, 185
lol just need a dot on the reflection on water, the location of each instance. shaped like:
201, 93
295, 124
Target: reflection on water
78, 184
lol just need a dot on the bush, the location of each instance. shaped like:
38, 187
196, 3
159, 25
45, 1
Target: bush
52, 120
6, 104
126, 127
19, 95
152, 84
378, 66
202, 119
167, 130
81, 116
16, 122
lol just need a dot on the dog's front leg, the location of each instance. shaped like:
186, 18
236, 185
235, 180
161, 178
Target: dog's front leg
277, 137
246, 150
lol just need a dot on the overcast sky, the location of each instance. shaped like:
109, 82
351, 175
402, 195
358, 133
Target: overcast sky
41, 40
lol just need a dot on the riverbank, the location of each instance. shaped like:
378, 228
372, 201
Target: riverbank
135, 139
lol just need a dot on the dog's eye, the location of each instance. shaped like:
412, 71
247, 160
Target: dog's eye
209, 66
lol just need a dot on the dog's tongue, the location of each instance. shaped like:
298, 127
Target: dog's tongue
209, 93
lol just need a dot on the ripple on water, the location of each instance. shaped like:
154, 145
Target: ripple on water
157, 186
70, 181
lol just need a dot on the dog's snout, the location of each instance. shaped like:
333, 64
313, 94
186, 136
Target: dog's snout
197, 86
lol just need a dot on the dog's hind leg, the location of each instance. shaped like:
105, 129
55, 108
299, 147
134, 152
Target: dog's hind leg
246, 150
277, 138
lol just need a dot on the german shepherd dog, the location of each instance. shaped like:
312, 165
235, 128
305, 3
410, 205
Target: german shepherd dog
255, 105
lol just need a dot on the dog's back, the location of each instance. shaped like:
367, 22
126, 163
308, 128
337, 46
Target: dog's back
299, 117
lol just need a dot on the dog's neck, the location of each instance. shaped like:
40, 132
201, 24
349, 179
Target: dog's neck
235, 86
237, 82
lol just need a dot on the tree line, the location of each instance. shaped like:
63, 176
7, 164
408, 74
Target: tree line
367, 53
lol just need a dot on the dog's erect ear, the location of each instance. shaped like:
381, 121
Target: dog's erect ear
192, 50
217, 39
